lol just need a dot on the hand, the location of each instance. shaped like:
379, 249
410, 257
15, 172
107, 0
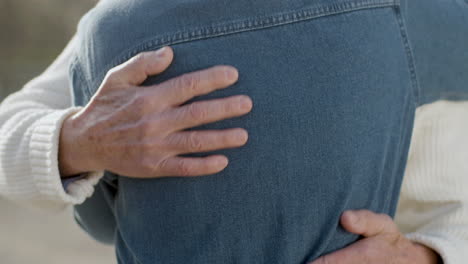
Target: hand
136, 131
382, 243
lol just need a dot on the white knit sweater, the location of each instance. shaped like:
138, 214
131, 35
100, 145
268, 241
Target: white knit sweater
433, 207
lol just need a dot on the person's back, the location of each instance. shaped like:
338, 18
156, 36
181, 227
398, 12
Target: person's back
334, 99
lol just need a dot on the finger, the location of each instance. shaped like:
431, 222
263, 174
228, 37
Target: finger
349, 255
207, 140
367, 223
136, 70
188, 167
204, 112
181, 89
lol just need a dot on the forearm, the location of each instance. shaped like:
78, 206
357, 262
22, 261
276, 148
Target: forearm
28, 157
30, 125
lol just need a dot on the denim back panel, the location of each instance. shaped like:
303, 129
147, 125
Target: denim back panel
334, 95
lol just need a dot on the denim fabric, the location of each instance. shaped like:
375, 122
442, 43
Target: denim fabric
438, 30
334, 86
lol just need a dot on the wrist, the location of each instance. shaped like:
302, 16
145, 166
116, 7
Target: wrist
72, 156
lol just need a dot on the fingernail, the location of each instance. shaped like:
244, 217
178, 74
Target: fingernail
161, 52
231, 74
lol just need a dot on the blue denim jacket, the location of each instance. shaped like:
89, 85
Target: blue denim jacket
334, 85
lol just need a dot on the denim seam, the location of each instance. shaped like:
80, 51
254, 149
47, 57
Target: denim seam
409, 56
78, 71
133, 256
408, 115
249, 24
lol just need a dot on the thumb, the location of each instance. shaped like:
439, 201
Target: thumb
367, 223
137, 69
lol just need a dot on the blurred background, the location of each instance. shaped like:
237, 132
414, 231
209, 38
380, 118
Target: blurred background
33, 33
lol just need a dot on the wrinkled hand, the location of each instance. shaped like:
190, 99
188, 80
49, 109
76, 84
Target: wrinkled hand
138, 131
382, 243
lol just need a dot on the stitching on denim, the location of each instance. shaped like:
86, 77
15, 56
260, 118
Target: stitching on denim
243, 25
409, 56
76, 68
420, 97
133, 255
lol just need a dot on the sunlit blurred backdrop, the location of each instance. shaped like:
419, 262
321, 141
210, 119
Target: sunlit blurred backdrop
32, 34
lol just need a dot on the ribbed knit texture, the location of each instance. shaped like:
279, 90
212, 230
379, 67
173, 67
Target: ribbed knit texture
43, 157
433, 207
30, 123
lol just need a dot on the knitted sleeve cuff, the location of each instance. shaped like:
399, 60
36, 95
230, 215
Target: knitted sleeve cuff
450, 250
44, 164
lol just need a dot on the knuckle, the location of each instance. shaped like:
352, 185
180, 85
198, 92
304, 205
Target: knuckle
138, 66
185, 168
140, 100
196, 112
139, 58
163, 164
173, 142
194, 142
112, 74
161, 168
140, 105
190, 82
